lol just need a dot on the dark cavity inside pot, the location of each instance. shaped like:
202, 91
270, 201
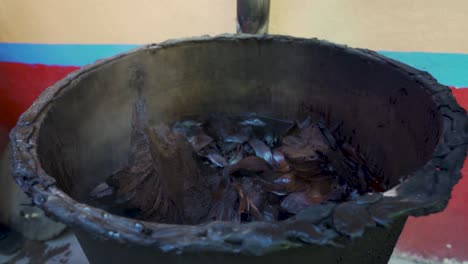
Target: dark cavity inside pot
386, 115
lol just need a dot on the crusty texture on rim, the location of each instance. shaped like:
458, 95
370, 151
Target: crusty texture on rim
426, 191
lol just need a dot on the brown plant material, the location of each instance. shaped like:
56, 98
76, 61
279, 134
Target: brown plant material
227, 168
200, 141
223, 208
246, 203
304, 149
261, 150
243, 199
290, 183
236, 155
162, 177
280, 162
250, 163
216, 159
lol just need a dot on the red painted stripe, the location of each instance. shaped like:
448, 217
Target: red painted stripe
461, 94
20, 84
442, 235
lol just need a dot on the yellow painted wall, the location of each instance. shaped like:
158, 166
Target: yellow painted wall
112, 21
423, 25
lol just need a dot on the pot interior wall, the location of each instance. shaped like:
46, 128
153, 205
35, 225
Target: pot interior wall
86, 133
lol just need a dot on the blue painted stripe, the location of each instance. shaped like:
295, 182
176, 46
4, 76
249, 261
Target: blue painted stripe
448, 68
58, 54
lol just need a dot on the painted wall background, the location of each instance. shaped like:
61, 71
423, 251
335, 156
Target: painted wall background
42, 41
112, 21
399, 25
402, 25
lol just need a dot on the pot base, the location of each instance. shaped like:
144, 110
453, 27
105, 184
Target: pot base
375, 246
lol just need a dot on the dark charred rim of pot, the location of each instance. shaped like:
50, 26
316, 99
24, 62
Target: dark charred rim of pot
426, 191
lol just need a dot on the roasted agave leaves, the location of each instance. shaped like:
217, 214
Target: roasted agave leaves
233, 168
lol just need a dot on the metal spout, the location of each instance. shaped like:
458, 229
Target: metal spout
253, 16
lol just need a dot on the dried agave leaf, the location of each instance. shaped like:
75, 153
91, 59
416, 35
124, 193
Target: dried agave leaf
228, 147
273, 188
223, 209
175, 160
316, 191
254, 192
237, 155
352, 168
290, 183
280, 162
140, 173
243, 199
261, 150
254, 212
216, 159
252, 121
249, 199
161, 168
187, 128
322, 186
285, 184
243, 175
271, 139
304, 145
219, 127
102, 190
200, 141
250, 163
238, 136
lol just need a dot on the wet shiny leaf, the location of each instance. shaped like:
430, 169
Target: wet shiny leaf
280, 162
237, 138
290, 183
270, 139
187, 127
261, 150
252, 122
216, 159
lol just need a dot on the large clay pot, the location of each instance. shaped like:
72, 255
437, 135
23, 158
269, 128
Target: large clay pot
77, 133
